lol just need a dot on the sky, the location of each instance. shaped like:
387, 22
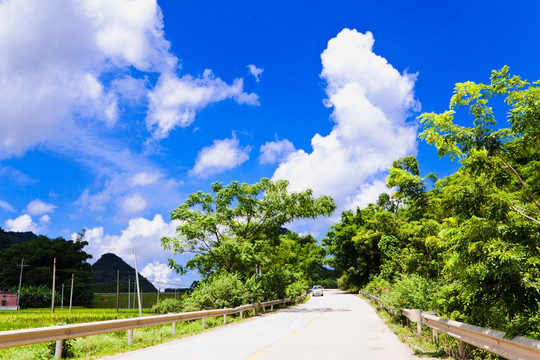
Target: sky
113, 112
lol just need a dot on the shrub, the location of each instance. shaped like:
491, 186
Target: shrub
167, 306
411, 292
221, 291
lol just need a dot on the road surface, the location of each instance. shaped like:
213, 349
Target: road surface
334, 326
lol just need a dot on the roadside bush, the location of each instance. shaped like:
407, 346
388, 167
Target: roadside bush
37, 297
411, 292
166, 306
297, 288
221, 291
378, 286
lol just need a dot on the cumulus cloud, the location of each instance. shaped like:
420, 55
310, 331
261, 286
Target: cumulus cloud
175, 100
160, 275
75, 61
371, 103
221, 156
25, 223
255, 71
276, 151
38, 207
141, 233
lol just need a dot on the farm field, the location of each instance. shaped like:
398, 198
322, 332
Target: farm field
108, 300
91, 347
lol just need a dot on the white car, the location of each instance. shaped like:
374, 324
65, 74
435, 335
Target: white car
317, 291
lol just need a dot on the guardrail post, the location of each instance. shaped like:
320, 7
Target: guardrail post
203, 322
174, 329
461, 349
264, 309
435, 335
241, 314
224, 318
416, 316
58, 349
254, 312
272, 307
130, 336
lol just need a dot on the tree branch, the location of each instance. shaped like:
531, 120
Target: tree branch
519, 177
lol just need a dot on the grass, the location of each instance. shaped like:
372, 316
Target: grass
92, 347
102, 300
422, 345
445, 348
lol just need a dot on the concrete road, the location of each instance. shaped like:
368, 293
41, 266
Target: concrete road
334, 326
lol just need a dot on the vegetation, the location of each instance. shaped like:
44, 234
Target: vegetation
466, 245
91, 346
241, 246
39, 255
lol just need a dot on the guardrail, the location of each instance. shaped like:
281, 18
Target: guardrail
493, 341
13, 338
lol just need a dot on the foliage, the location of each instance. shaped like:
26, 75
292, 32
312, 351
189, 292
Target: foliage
237, 236
39, 256
37, 297
474, 234
166, 306
228, 229
222, 291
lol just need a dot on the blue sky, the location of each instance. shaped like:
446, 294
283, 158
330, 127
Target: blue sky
112, 113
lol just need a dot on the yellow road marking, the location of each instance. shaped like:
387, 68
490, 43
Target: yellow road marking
294, 333
254, 356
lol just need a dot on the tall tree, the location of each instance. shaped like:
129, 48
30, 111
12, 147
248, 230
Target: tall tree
39, 255
230, 229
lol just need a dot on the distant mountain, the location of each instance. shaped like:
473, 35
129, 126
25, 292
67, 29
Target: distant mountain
105, 272
8, 238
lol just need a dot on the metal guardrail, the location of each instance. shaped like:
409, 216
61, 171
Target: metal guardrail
518, 348
13, 338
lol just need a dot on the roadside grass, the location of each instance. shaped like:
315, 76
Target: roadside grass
422, 345
446, 347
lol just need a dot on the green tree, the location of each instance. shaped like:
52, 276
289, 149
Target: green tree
39, 255
238, 229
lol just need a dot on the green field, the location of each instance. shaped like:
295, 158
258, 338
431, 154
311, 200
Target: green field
91, 347
108, 301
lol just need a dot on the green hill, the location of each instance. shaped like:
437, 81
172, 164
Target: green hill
8, 238
105, 272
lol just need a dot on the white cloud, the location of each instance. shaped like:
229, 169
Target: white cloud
174, 101
145, 178
221, 156
52, 72
141, 233
22, 224
276, 151
160, 275
371, 102
134, 204
255, 71
38, 207
6, 206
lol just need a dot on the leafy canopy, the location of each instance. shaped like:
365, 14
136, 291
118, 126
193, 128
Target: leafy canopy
231, 229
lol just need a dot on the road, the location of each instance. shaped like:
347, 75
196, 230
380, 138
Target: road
334, 326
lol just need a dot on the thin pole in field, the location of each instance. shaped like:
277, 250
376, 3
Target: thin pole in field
129, 290
71, 295
20, 283
53, 285
137, 278
117, 289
